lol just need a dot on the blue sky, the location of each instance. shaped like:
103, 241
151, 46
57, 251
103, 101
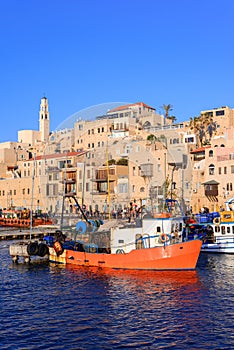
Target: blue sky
79, 53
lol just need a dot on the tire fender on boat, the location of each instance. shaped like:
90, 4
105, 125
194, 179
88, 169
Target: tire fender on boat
164, 238
32, 248
216, 221
42, 249
119, 251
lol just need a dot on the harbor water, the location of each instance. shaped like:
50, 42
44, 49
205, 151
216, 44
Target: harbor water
44, 306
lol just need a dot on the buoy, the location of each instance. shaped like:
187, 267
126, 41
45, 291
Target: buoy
58, 248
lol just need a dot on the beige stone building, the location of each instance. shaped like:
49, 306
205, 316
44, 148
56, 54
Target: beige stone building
213, 173
127, 155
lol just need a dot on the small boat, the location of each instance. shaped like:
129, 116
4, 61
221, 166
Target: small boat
220, 237
216, 230
22, 218
151, 243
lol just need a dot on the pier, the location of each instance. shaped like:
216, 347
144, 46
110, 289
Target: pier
36, 233
30, 243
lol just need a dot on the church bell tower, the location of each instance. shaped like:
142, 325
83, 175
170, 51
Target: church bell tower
44, 119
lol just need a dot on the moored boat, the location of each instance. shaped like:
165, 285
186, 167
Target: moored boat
22, 218
216, 230
220, 238
149, 244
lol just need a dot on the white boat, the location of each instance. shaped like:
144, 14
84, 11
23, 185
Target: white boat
220, 238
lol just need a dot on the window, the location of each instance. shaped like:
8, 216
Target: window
211, 153
123, 188
142, 189
232, 169
211, 169
220, 170
189, 139
219, 112
225, 170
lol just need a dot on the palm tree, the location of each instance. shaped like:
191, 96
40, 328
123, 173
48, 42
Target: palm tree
202, 126
172, 118
211, 127
167, 109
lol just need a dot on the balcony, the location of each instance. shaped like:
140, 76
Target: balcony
211, 192
211, 188
146, 170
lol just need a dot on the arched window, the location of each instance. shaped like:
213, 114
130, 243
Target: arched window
142, 189
211, 153
211, 169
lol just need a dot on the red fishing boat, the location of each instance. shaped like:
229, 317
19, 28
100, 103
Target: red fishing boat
151, 245
22, 218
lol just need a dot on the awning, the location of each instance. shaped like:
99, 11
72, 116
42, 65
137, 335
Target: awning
211, 182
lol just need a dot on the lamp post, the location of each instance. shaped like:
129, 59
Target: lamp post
172, 176
31, 211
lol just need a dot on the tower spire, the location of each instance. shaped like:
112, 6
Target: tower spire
44, 119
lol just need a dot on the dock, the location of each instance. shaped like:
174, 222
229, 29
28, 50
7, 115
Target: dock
19, 234
30, 243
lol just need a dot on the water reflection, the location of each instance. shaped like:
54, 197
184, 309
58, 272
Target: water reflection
49, 306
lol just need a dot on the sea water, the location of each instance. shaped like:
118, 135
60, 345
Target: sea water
47, 306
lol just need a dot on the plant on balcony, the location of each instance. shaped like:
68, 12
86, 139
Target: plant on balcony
122, 161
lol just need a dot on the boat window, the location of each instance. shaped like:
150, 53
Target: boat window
217, 229
120, 241
223, 230
233, 229
158, 229
228, 229
181, 226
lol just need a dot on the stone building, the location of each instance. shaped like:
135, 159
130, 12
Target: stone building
128, 155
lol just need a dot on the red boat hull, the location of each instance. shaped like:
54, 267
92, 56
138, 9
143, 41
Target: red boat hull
180, 256
24, 223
